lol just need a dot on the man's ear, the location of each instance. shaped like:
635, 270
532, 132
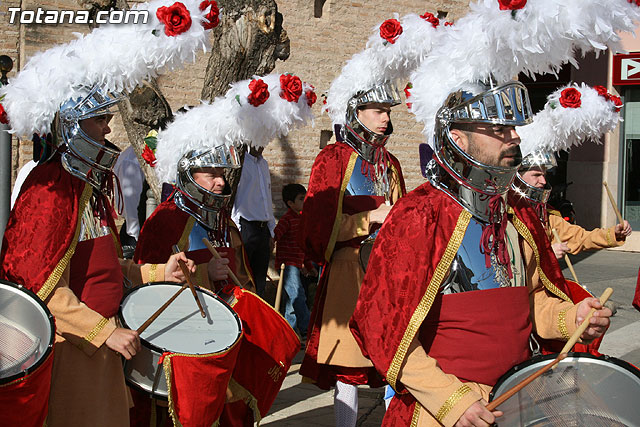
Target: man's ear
460, 138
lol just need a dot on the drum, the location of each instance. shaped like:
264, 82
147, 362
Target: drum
583, 390
27, 333
179, 329
365, 250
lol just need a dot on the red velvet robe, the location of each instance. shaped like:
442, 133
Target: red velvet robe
324, 203
410, 259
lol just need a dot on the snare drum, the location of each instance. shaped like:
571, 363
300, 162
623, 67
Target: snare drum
583, 390
179, 329
27, 333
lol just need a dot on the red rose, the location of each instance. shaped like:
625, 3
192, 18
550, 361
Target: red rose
602, 91
149, 156
176, 19
390, 30
636, 1
259, 92
311, 98
429, 17
448, 24
512, 4
291, 87
570, 98
3, 116
616, 100
407, 94
213, 18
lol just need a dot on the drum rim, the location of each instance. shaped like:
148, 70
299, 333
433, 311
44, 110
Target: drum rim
49, 349
161, 350
549, 357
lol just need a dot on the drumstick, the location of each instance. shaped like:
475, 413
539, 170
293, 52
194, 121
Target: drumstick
279, 291
566, 257
187, 276
613, 203
563, 353
217, 256
159, 311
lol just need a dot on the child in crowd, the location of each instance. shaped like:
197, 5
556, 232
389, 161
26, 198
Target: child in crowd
289, 253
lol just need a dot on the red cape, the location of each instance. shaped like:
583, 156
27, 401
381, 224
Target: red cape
324, 196
409, 261
159, 232
42, 231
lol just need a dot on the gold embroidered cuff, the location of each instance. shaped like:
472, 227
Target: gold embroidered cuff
610, 240
562, 324
152, 272
96, 330
451, 402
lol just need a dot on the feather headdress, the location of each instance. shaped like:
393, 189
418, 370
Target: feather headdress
572, 114
395, 49
118, 57
494, 43
252, 112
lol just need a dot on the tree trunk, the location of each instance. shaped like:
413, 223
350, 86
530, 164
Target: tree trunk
248, 41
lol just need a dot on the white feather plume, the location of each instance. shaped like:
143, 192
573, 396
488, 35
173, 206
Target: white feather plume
231, 120
558, 128
381, 61
539, 38
118, 57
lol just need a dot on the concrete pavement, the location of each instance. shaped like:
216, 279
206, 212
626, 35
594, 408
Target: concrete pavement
300, 404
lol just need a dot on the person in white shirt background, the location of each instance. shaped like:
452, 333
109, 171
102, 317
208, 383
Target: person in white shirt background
253, 213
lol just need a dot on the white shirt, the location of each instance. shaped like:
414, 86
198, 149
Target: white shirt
131, 177
253, 195
22, 175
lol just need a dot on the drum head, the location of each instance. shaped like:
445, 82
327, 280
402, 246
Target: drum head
181, 328
26, 331
583, 390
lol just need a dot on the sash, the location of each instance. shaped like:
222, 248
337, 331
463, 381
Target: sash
96, 276
467, 335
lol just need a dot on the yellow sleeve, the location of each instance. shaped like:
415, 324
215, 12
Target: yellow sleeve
578, 239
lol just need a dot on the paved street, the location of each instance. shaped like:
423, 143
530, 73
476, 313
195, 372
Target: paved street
305, 405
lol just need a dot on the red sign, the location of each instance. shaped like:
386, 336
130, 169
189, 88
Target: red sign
626, 69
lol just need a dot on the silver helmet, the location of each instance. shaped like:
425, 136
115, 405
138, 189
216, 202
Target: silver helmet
355, 133
83, 156
544, 160
197, 201
472, 181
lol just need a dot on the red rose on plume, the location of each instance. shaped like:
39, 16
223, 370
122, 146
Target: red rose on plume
213, 17
448, 24
291, 87
390, 30
259, 92
148, 155
3, 116
407, 94
429, 17
570, 98
602, 91
637, 2
616, 100
512, 4
176, 19
311, 98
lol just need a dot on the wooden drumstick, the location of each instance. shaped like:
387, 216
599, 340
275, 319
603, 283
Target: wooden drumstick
216, 255
187, 276
563, 353
613, 203
279, 291
159, 311
566, 257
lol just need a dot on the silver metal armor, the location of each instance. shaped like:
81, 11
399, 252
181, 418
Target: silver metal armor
355, 133
194, 199
538, 197
84, 157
